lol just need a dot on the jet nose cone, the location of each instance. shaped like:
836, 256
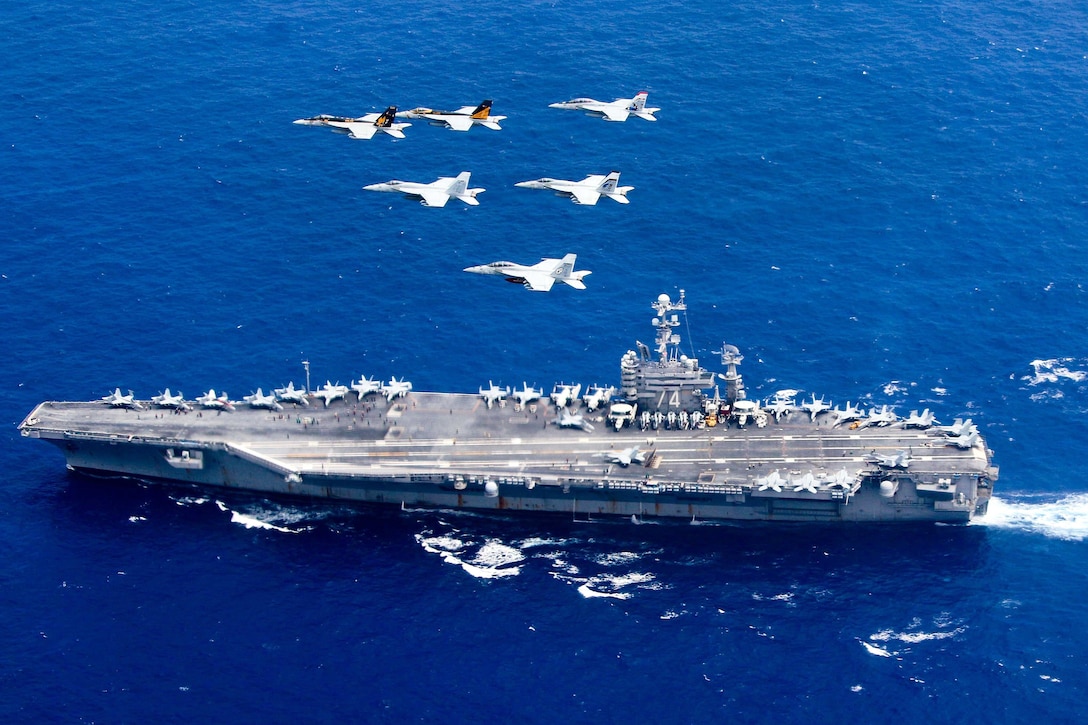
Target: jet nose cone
556, 105
478, 269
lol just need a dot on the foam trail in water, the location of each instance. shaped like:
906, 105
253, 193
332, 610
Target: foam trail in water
1066, 518
252, 522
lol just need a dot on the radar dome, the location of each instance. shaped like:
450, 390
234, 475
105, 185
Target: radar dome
664, 298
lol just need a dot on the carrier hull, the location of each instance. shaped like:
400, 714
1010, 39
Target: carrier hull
450, 451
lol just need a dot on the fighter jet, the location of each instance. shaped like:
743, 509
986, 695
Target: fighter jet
588, 191
117, 400
538, 277
563, 394
841, 480
959, 427
260, 400
493, 393
771, 481
166, 400
291, 394
880, 418
526, 395
436, 193
331, 392
364, 127
395, 389
784, 402
212, 400
849, 414
626, 457
567, 419
806, 482
460, 120
963, 441
814, 407
899, 459
596, 396
617, 110
914, 420
364, 386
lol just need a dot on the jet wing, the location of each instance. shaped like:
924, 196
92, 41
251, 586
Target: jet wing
458, 123
584, 196
356, 129
538, 281
614, 114
433, 197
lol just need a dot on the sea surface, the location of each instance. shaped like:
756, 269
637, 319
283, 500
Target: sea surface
883, 202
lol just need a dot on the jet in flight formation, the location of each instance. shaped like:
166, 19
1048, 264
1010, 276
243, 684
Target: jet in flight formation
538, 277
588, 191
617, 110
460, 120
436, 193
364, 127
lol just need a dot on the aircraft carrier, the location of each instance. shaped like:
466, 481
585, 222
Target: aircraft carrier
673, 441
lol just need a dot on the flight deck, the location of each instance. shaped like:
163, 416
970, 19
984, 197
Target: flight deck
661, 445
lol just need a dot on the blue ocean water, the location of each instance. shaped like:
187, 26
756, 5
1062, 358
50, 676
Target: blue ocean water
881, 202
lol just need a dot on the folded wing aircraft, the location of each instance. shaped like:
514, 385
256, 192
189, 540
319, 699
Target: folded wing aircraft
436, 193
617, 110
538, 277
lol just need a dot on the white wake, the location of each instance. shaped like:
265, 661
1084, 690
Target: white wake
1065, 518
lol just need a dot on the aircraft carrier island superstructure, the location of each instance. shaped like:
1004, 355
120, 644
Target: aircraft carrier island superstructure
673, 441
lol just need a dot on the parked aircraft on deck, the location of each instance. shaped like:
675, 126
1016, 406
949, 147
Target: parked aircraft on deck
117, 400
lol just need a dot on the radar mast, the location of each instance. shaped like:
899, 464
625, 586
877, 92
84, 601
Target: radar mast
665, 323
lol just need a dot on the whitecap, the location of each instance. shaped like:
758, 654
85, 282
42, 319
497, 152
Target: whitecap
894, 387
1050, 371
617, 558
874, 650
590, 593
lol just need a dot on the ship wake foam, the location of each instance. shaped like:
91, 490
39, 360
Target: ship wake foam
1065, 518
490, 560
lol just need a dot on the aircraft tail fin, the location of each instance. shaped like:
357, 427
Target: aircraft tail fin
608, 186
386, 119
639, 101
566, 266
565, 272
460, 184
482, 111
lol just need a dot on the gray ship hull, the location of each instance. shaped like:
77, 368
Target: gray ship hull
451, 451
